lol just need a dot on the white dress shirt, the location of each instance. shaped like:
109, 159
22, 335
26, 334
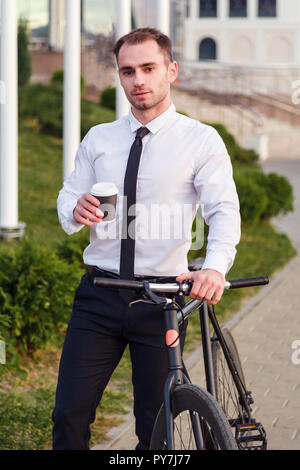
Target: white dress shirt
184, 166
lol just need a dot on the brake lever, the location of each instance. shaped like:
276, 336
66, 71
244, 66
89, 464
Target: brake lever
141, 301
154, 299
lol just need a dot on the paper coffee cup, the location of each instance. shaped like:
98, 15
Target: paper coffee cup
106, 193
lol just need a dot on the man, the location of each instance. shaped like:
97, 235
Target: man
182, 163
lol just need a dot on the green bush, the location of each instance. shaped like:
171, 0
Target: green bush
252, 196
71, 248
244, 155
280, 194
261, 195
45, 104
36, 297
108, 98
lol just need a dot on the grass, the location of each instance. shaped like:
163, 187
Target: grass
27, 394
40, 180
27, 400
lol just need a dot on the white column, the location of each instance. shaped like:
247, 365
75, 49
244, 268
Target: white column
223, 14
123, 27
9, 226
194, 9
71, 86
56, 24
163, 16
252, 9
223, 9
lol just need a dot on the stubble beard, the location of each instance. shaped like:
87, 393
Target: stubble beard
144, 106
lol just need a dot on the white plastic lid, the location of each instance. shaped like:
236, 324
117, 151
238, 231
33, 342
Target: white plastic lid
104, 189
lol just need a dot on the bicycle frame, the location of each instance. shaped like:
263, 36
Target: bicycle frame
177, 371
177, 376
206, 314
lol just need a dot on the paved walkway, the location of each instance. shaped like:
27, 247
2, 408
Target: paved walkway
267, 333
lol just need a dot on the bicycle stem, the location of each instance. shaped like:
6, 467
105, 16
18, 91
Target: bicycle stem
174, 350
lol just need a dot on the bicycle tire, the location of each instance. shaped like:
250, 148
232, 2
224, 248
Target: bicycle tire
193, 399
227, 393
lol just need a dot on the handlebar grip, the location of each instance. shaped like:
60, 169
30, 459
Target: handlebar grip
118, 283
253, 281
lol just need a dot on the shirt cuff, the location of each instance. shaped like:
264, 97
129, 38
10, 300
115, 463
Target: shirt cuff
67, 220
71, 226
218, 262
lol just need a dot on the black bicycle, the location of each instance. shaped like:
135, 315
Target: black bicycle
192, 418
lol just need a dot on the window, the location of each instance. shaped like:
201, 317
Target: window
208, 8
267, 8
238, 8
207, 49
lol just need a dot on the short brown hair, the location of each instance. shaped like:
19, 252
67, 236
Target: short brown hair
140, 35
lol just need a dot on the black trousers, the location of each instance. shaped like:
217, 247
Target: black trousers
99, 330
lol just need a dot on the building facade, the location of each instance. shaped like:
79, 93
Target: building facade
259, 33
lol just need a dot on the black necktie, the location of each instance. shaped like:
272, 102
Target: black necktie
128, 239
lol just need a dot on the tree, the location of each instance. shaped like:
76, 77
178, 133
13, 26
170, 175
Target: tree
24, 56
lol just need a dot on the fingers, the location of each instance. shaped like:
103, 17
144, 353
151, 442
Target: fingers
184, 277
207, 285
208, 291
86, 211
216, 296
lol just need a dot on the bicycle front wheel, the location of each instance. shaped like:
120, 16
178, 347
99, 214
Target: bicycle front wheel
227, 393
191, 404
226, 390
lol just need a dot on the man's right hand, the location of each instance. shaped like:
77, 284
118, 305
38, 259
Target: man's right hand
86, 211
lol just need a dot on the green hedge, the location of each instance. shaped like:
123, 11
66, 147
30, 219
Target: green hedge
262, 195
108, 98
44, 103
70, 249
36, 297
253, 198
279, 192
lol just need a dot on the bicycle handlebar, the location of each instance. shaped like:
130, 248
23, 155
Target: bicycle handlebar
252, 281
176, 287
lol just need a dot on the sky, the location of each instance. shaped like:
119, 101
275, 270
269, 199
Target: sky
98, 14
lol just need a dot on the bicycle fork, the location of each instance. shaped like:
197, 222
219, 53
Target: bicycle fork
177, 376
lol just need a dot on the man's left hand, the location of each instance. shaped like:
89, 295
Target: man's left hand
208, 284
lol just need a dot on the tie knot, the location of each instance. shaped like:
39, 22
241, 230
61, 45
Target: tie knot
141, 132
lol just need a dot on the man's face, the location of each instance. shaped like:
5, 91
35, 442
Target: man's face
146, 75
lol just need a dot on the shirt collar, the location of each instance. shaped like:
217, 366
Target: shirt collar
156, 124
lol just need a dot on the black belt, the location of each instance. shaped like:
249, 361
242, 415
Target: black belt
98, 272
